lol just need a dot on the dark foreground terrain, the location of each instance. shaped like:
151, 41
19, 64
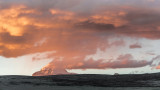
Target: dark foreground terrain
81, 81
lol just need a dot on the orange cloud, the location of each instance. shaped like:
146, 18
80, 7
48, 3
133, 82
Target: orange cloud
158, 67
11, 21
74, 33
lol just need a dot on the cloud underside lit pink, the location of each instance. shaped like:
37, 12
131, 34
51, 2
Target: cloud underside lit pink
74, 32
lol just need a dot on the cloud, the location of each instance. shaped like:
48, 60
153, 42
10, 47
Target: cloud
150, 53
59, 66
135, 46
156, 63
74, 29
95, 26
143, 17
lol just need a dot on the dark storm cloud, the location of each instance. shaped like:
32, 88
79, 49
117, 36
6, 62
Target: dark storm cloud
7, 38
95, 26
143, 17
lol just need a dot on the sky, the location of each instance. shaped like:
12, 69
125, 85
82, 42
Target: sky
52, 37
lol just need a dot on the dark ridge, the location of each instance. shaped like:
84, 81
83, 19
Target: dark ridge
128, 80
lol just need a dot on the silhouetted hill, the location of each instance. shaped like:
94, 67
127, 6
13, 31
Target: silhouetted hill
130, 80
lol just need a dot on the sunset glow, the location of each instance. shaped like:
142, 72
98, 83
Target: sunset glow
79, 36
